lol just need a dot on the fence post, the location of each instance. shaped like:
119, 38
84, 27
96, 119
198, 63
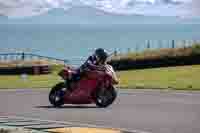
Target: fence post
23, 56
129, 50
173, 44
115, 53
5, 57
148, 44
184, 43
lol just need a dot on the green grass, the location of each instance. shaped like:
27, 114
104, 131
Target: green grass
32, 81
43, 81
183, 77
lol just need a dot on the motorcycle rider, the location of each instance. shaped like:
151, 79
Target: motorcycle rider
94, 62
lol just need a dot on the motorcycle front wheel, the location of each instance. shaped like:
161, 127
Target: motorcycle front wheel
105, 97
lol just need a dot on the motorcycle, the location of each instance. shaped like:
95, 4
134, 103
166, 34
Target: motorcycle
94, 87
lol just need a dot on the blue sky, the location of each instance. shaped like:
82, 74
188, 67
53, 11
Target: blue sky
27, 8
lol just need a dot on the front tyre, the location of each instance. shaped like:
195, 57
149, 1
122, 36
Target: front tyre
56, 95
105, 97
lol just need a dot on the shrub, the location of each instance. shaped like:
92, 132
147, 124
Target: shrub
157, 58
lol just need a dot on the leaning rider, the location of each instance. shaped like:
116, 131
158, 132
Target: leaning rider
94, 62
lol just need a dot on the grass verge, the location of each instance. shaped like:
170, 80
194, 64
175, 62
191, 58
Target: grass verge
30, 81
179, 78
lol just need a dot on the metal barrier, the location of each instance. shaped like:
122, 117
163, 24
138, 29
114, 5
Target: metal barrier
28, 56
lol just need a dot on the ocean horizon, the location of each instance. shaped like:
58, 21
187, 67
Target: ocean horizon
74, 42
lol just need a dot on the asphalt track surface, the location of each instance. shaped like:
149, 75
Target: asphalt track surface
137, 110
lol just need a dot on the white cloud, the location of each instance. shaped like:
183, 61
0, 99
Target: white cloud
22, 8
183, 8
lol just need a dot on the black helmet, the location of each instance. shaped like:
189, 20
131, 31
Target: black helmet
101, 54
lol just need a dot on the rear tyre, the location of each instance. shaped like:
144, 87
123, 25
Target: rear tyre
105, 97
56, 95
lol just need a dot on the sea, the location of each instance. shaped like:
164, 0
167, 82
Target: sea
73, 41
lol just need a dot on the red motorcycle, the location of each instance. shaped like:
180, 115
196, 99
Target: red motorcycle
93, 87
